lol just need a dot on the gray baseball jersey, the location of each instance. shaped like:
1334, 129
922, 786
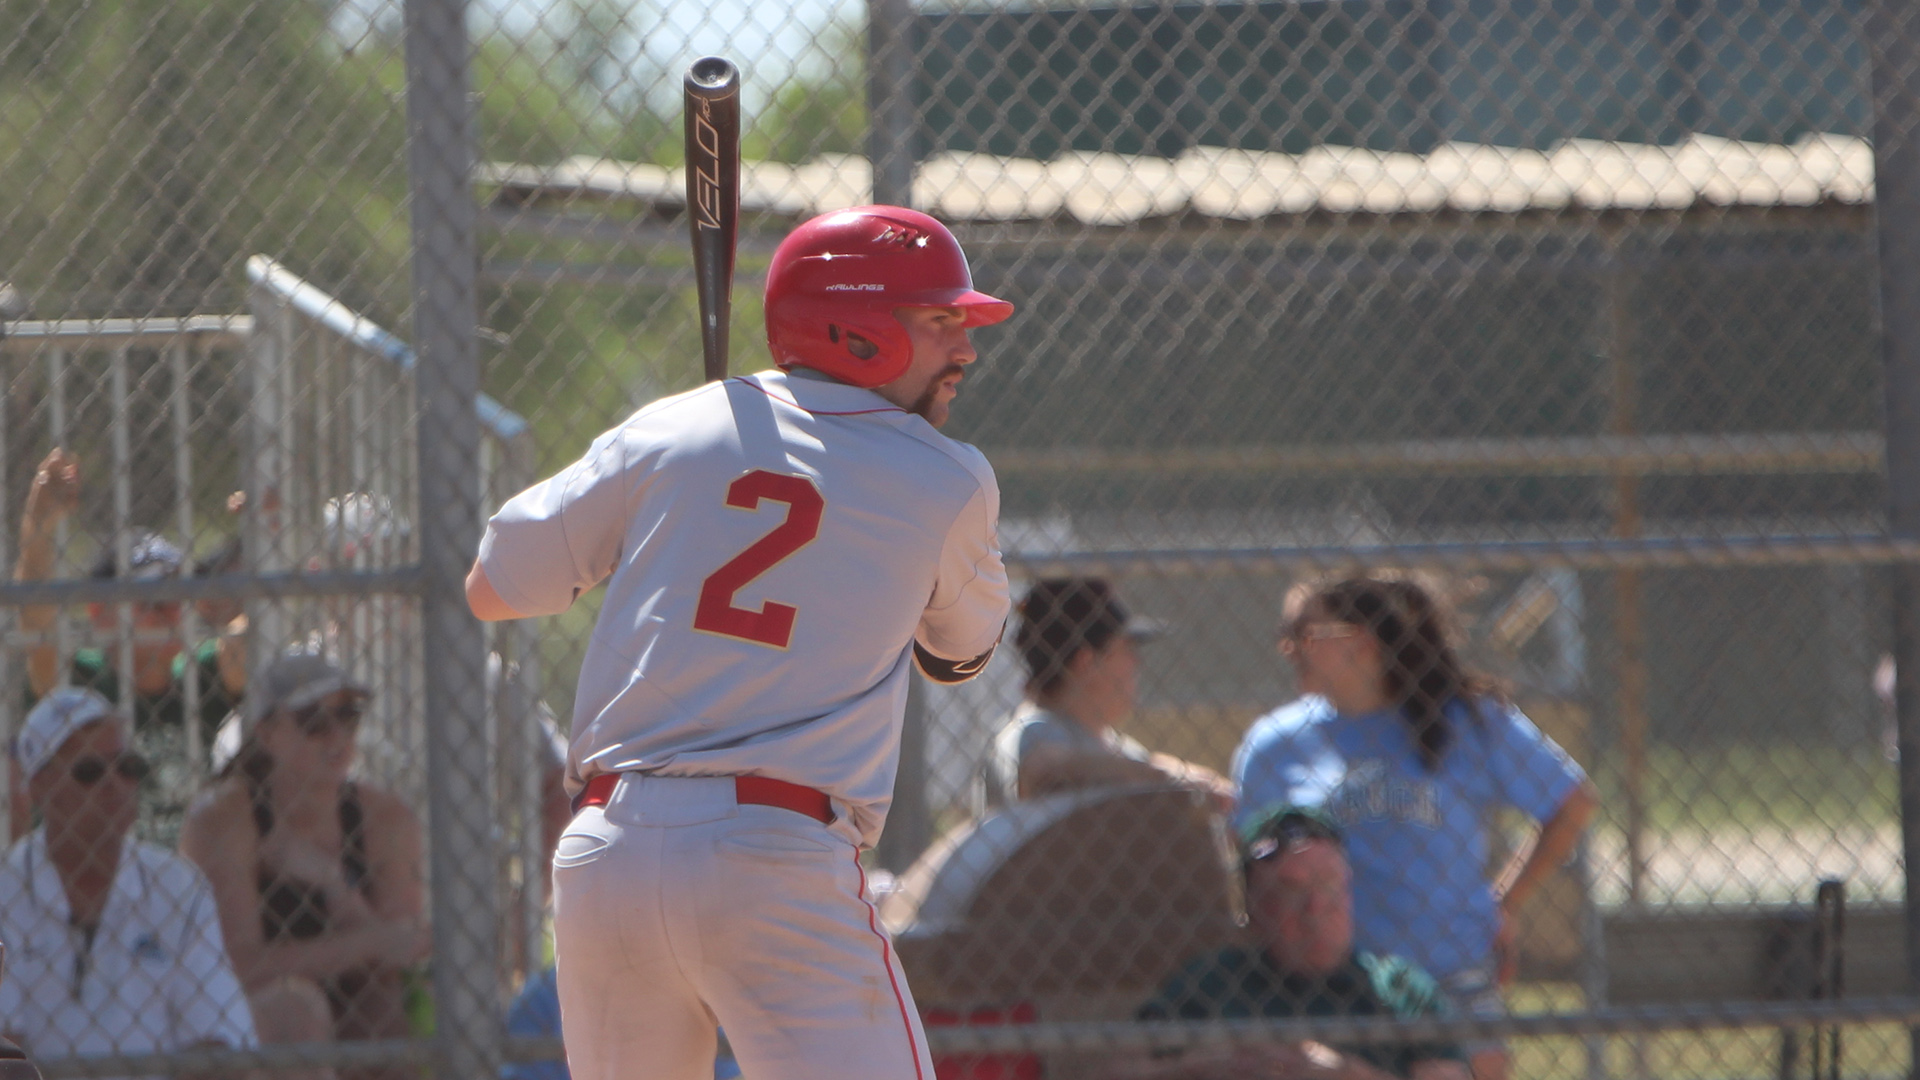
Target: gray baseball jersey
776, 544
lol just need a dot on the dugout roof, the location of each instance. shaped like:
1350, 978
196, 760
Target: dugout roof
1104, 189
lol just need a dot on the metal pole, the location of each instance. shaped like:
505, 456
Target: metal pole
890, 100
1895, 60
1629, 629
57, 422
122, 526
191, 690
467, 1012
910, 820
10, 383
890, 149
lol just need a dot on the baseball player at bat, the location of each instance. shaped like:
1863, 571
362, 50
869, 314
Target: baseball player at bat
779, 548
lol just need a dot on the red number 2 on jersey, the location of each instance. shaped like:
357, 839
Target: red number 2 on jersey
773, 623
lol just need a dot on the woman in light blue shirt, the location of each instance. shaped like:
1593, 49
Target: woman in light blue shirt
1412, 754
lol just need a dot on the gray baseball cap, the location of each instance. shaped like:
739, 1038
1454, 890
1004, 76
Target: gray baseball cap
298, 680
53, 720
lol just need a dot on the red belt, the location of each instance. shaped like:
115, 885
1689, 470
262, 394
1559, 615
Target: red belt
754, 790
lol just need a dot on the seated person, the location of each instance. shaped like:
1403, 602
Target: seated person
1300, 910
115, 944
161, 665
1077, 641
318, 877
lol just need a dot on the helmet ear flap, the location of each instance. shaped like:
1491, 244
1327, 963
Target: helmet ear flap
865, 348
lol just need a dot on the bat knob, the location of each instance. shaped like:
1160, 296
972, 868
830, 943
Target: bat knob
712, 76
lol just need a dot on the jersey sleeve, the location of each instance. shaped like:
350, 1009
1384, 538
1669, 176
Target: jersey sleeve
969, 606
1536, 774
560, 537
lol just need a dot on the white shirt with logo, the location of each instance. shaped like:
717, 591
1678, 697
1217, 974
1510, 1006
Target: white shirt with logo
155, 977
773, 545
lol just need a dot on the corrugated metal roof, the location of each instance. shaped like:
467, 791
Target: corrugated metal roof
1113, 189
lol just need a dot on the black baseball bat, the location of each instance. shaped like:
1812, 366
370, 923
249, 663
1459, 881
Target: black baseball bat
713, 197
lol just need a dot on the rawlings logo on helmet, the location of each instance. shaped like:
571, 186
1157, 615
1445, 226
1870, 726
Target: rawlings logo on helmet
901, 236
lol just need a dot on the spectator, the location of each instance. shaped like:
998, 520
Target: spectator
1411, 753
1300, 912
1077, 641
318, 877
159, 664
116, 948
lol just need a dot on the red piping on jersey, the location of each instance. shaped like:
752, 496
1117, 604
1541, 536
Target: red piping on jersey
886, 960
814, 412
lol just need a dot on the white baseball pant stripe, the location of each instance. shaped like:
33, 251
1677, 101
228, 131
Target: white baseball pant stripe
676, 909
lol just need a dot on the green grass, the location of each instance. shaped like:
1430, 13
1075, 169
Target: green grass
1751, 785
1868, 1050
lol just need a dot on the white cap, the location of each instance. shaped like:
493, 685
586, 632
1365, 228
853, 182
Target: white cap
53, 720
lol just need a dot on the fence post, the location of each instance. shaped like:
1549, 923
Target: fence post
890, 100
468, 1022
890, 150
1896, 169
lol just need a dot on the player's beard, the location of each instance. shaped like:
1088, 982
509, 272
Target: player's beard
923, 406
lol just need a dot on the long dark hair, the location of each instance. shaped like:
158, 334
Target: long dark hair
1422, 670
251, 762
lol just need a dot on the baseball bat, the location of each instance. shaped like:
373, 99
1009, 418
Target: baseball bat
712, 119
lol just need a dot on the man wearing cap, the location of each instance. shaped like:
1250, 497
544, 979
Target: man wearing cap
1077, 640
113, 945
161, 665
1302, 964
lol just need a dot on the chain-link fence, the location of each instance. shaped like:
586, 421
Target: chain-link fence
1593, 327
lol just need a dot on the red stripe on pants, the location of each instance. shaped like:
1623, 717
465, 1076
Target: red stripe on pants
886, 959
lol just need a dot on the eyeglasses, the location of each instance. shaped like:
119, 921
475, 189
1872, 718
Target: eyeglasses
91, 769
316, 721
1324, 631
1306, 633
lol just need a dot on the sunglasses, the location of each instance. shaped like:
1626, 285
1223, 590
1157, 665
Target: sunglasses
92, 769
1306, 633
315, 720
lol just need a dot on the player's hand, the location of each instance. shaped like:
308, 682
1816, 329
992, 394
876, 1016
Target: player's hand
55, 492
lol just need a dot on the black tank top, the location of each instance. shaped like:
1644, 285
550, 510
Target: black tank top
290, 907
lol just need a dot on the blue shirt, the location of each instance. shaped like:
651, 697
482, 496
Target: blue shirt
1417, 840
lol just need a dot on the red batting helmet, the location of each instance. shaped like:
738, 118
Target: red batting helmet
836, 280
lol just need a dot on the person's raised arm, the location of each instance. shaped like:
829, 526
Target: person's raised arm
54, 495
